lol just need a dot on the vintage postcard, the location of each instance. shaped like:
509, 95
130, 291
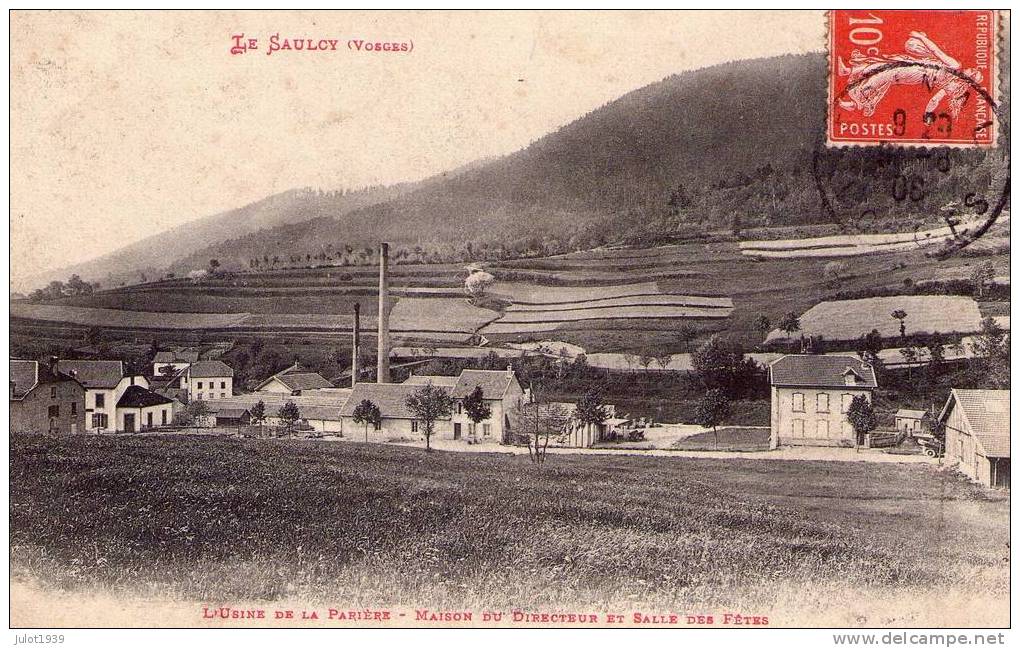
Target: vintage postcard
515, 319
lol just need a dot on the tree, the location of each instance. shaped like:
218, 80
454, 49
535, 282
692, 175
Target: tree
719, 363
429, 403
901, 315
789, 323
367, 413
910, 355
475, 406
193, 413
258, 415
591, 411
834, 271
646, 360
983, 276
868, 348
711, 410
478, 282
290, 415
663, 360
991, 351
861, 416
214, 265
763, 325
685, 334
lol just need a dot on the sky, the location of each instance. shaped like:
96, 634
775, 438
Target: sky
127, 124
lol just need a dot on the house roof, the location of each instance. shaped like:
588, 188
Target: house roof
911, 413
986, 412
231, 412
298, 381
176, 356
316, 406
388, 397
493, 383
135, 396
94, 374
24, 376
210, 369
174, 393
438, 381
821, 371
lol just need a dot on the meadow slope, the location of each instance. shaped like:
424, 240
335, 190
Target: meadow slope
201, 519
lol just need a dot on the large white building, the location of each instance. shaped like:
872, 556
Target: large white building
105, 383
811, 395
204, 380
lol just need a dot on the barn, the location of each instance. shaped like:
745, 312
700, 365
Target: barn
976, 422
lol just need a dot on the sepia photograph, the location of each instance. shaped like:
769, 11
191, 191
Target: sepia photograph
510, 319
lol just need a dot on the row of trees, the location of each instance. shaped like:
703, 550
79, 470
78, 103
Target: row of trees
74, 287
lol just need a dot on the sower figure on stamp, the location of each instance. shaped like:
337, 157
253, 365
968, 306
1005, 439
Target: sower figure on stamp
871, 77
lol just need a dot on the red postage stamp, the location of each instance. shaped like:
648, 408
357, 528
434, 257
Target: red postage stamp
914, 77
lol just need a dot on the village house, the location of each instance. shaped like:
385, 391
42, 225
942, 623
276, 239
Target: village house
911, 421
294, 381
141, 409
168, 363
204, 380
976, 422
104, 382
501, 391
42, 399
319, 410
398, 422
811, 395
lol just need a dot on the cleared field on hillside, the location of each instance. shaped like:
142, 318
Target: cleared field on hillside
617, 312
850, 319
525, 293
200, 520
635, 300
123, 318
408, 314
853, 244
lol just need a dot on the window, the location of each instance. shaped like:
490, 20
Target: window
822, 429
845, 400
223, 384
74, 409
100, 401
798, 402
54, 411
486, 429
53, 392
414, 427
378, 426
798, 428
100, 421
198, 396
164, 417
822, 403
200, 384
459, 407
148, 419
212, 396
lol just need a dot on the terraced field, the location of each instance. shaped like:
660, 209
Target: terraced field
850, 319
854, 244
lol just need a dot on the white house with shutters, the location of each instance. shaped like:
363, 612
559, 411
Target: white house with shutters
811, 395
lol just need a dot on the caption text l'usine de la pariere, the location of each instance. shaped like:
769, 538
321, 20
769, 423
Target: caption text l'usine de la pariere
468, 616
244, 44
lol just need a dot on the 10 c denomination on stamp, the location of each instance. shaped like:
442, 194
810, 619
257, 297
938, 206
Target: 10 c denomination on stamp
913, 77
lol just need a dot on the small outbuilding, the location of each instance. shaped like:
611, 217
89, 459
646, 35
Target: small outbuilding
142, 409
911, 421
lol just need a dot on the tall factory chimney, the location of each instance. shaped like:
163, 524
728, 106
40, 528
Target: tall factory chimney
382, 368
356, 352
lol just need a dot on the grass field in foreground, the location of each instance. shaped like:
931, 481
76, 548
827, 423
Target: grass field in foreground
229, 520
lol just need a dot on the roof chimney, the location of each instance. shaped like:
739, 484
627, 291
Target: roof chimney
53, 365
382, 369
509, 369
